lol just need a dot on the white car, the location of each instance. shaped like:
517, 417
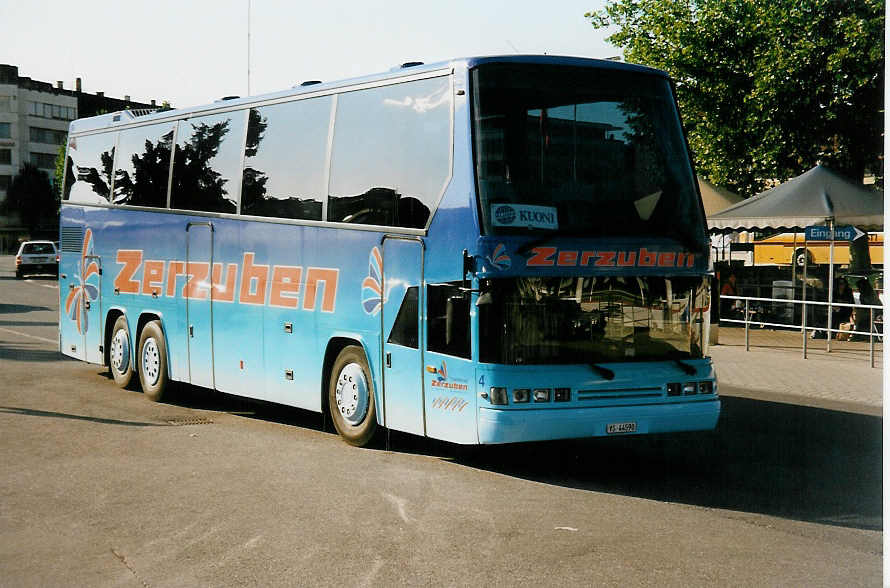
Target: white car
37, 257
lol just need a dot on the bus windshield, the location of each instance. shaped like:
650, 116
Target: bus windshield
592, 319
582, 152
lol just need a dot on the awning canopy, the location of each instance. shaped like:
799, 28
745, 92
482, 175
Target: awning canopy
812, 198
715, 198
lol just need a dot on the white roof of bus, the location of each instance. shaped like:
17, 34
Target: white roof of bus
113, 119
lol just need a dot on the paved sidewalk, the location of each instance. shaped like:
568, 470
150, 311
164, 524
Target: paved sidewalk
842, 379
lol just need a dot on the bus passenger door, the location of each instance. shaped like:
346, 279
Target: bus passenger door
92, 309
198, 311
402, 358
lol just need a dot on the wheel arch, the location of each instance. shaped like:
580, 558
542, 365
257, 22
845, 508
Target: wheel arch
144, 318
110, 318
335, 345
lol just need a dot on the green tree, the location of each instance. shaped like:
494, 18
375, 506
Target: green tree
767, 89
59, 175
31, 196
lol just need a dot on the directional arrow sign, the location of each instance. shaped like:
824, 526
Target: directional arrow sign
823, 233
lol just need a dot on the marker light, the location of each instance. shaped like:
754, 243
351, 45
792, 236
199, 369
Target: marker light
542, 395
521, 394
498, 395
690, 388
562, 394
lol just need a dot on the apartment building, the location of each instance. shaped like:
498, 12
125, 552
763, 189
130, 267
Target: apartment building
34, 118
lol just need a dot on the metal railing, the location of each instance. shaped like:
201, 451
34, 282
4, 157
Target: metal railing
748, 312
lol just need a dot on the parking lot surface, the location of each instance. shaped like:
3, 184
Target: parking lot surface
100, 487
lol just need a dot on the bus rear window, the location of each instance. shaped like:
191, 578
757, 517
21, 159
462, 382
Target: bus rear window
581, 151
88, 168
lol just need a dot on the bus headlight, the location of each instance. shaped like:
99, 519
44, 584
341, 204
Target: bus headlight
497, 395
690, 388
521, 394
562, 394
542, 395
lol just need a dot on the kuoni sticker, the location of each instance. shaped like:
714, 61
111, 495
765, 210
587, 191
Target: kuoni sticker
524, 215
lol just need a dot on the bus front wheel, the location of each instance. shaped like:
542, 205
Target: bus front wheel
152, 361
351, 397
120, 352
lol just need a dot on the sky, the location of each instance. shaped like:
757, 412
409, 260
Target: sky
194, 52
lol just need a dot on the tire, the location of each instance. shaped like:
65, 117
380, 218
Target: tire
351, 397
19, 275
152, 361
120, 353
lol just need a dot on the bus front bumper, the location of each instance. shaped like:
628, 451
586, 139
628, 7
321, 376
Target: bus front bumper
517, 425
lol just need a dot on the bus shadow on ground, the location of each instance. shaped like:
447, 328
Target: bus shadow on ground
781, 460
770, 458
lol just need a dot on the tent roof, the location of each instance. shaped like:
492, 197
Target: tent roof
811, 198
715, 198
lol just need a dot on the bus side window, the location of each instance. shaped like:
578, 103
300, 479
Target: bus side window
142, 165
207, 162
89, 167
391, 153
284, 159
448, 320
404, 330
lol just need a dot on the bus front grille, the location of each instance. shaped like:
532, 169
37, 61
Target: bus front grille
618, 394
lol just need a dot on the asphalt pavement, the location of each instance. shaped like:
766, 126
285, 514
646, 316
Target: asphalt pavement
100, 487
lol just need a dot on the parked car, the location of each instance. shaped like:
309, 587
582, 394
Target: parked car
37, 257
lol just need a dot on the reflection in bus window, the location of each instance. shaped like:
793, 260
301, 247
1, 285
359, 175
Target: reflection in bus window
143, 166
603, 150
88, 168
284, 159
207, 164
391, 154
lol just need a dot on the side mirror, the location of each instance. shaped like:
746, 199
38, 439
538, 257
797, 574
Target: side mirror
469, 267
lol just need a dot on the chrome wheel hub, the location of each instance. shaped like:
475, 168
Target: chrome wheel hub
151, 361
120, 351
351, 393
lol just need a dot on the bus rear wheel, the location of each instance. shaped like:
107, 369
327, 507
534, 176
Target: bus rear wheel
351, 397
120, 352
151, 361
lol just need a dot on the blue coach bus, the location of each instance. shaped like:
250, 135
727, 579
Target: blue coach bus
486, 250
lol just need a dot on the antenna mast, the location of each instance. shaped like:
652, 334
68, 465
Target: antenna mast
248, 47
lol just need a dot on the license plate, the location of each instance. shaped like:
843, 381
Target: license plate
616, 428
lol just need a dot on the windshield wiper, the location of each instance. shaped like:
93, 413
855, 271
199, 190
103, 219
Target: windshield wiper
689, 369
604, 372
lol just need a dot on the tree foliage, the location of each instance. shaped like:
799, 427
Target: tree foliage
59, 174
767, 89
32, 197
